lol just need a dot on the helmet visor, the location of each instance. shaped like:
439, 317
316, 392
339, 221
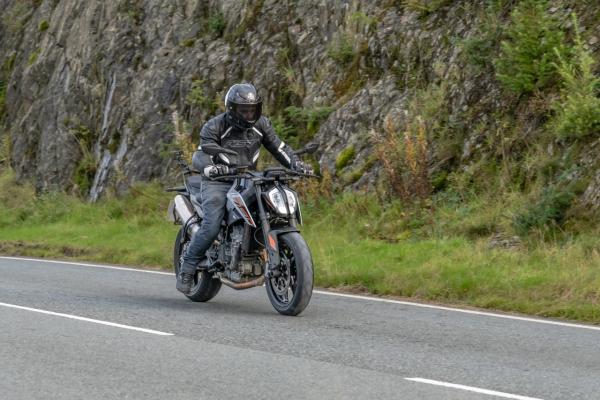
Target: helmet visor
247, 112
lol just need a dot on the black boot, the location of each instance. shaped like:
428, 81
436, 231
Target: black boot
185, 282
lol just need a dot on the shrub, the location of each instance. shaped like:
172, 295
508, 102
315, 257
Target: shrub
479, 50
549, 211
197, 97
283, 129
528, 55
405, 159
578, 111
311, 118
298, 125
216, 24
363, 21
184, 141
342, 50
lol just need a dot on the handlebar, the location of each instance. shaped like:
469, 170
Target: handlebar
237, 174
241, 172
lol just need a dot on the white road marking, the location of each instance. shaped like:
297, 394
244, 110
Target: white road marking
352, 296
96, 321
460, 310
87, 265
472, 389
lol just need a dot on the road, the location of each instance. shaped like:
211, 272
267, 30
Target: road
71, 331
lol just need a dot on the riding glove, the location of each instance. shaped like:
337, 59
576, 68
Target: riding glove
212, 171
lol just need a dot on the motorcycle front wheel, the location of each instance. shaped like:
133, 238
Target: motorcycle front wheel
290, 292
205, 286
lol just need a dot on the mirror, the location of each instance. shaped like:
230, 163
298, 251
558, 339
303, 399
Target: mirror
308, 149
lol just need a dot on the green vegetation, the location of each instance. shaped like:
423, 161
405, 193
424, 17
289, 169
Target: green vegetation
16, 17
547, 213
578, 111
364, 21
216, 24
130, 230
2, 99
4, 151
344, 158
248, 22
550, 280
9, 64
134, 9
33, 57
188, 43
355, 174
528, 58
43, 26
297, 125
86, 167
342, 50
481, 48
197, 97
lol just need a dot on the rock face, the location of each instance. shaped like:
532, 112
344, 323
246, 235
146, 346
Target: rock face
91, 86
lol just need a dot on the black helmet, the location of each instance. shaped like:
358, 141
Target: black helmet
243, 105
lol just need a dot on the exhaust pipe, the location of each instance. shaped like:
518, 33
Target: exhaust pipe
186, 214
243, 285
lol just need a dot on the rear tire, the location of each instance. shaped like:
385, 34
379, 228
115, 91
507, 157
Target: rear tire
293, 300
205, 286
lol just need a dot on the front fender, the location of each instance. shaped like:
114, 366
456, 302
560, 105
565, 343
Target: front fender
272, 244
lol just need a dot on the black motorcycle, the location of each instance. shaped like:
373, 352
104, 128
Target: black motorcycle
259, 241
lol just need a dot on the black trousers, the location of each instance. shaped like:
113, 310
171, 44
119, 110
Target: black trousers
213, 197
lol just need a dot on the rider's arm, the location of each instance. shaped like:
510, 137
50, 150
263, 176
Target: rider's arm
202, 161
281, 151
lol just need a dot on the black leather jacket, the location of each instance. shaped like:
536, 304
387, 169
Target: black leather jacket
246, 143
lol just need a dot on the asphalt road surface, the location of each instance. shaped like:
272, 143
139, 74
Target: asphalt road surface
74, 331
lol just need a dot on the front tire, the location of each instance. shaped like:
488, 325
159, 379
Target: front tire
290, 292
205, 286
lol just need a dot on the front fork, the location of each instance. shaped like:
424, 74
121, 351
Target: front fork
271, 238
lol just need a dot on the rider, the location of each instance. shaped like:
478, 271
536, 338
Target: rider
240, 128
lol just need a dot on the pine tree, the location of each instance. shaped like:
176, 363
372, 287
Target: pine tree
528, 58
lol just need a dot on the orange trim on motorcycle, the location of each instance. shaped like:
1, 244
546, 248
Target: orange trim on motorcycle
272, 242
240, 206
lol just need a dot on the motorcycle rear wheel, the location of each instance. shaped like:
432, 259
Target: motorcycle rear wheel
205, 286
290, 292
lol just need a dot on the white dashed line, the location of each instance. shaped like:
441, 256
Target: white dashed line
472, 389
96, 321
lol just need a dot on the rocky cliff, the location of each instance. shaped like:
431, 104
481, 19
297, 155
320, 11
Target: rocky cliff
90, 87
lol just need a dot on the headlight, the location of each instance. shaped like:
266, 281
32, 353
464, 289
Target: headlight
278, 202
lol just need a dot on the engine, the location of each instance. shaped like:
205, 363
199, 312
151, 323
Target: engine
239, 267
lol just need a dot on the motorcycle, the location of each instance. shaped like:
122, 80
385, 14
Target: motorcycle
259, 241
